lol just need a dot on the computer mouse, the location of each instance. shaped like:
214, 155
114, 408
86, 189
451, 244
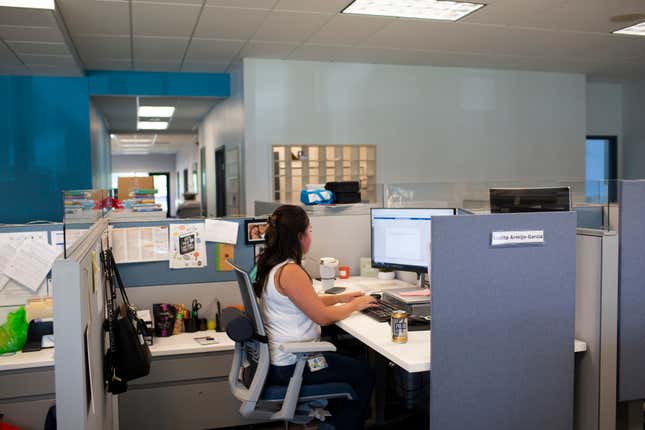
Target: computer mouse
377, 296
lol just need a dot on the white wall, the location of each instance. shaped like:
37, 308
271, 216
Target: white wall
187, 158
100, 150
605, 113
224, 126
429, 123
634, 130
150, 163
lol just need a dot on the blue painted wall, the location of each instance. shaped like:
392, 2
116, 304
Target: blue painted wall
45, 144
159, 84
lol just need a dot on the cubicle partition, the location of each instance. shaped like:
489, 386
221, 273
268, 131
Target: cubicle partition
503, 322
596, 325
157, 273
631, 316
79, 297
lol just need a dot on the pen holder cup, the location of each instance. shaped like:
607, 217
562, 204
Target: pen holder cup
191, 325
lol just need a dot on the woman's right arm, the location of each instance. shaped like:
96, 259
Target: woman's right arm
294, 283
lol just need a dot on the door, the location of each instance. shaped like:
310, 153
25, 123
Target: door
161, 182
220, 181
202, 167
601, 169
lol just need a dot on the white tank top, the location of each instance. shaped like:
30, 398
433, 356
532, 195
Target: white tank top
284, 321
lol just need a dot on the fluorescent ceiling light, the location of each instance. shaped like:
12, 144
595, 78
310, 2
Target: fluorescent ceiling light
156, 111
136, 145
135, 140
634, 30
32, 4
152, 125
424, 9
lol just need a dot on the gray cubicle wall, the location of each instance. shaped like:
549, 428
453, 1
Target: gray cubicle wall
79, 313
503, 324
596, 325
631, 302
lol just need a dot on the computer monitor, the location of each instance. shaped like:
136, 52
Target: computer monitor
515, 200
401, 238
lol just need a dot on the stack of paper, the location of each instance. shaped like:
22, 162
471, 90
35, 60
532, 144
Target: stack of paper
28, 263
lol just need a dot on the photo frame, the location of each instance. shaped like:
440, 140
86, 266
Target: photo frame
254, 230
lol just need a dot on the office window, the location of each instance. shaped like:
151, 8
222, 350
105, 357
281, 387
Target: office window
295, 166
601, 168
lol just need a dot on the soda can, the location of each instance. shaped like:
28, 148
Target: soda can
399, 323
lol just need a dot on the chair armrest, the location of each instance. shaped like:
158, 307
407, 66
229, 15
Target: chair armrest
300, 347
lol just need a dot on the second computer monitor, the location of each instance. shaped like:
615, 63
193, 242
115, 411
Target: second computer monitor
539, 199
401, 237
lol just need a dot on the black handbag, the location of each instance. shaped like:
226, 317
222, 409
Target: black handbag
128, 356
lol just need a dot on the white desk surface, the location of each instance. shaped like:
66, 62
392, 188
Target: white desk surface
179, 344
27, 360
413, 356
184, 343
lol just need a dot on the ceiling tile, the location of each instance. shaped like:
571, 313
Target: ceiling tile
51, 48
96, 17
180, 2
267, 50
576, 15
47, 70
290, 26
107, 64
229, 23
250, 4
314, 52
24, 16
91, 48
48, 60
30, 34
349, 29
7, 58
159, 48
213, 51
331, 6
511, 12
19, 69
150, 19
157, 66
201, 67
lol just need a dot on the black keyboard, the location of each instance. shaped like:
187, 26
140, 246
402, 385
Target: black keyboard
380, 313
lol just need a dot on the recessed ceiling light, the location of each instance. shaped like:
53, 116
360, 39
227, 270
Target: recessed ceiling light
152, 125
135, 140
634, 30
156, 111
32, 4
136, 145
424, 9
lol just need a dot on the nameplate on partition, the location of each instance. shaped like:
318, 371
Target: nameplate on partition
515, 238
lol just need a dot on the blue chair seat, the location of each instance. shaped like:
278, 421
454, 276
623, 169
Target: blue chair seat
311, 392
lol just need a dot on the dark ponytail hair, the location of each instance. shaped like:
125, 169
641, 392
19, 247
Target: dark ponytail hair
282, 238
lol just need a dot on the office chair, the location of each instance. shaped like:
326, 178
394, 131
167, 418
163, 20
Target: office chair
295, 403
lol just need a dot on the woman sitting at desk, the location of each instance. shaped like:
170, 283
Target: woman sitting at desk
294, 312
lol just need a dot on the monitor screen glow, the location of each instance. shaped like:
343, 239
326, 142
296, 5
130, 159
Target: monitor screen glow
401, 237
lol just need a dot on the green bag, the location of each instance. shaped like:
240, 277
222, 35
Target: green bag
13, 333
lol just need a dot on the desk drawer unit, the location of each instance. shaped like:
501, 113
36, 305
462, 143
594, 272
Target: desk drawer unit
182, 392
25, 397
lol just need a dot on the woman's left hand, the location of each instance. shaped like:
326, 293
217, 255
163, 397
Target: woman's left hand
349, 296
